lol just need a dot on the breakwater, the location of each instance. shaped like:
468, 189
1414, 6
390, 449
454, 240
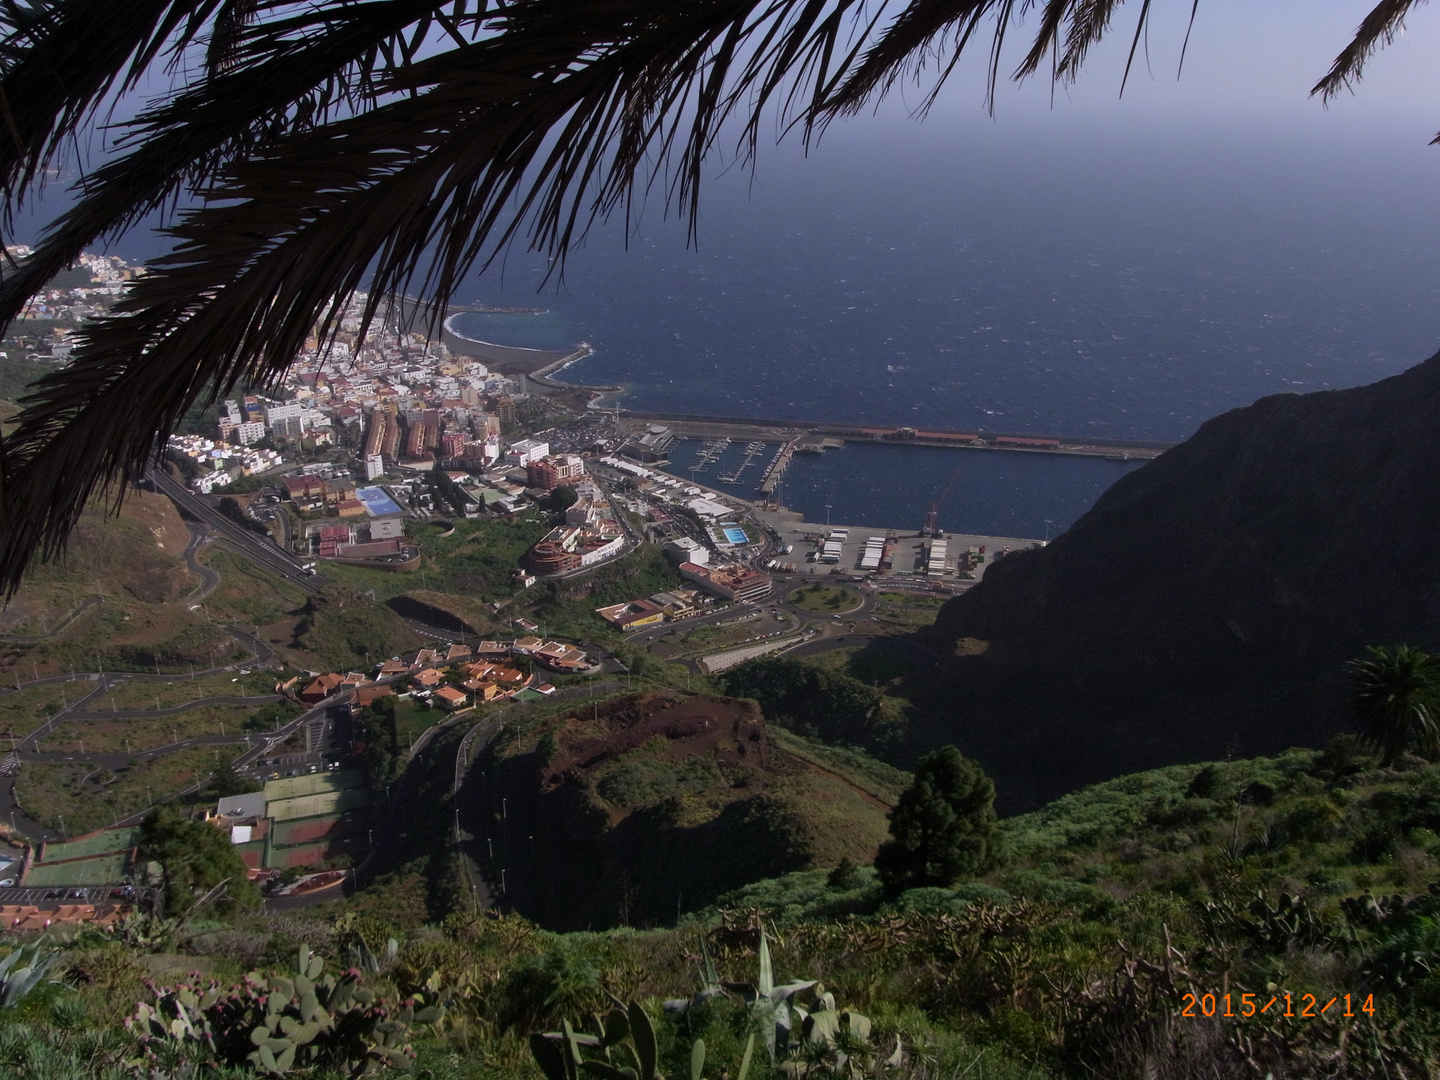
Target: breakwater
803, 436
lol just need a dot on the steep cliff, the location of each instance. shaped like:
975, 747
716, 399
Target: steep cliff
1207, 604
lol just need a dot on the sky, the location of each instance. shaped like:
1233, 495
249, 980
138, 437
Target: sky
1241, 108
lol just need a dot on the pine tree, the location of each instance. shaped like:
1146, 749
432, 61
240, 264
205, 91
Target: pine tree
194, 857
943, 826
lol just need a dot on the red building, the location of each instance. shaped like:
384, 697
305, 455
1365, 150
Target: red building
543, 474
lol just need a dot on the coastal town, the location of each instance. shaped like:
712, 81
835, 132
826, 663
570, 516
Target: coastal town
374, 449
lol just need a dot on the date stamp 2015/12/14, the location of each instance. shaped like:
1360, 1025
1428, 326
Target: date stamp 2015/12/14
1279, 1003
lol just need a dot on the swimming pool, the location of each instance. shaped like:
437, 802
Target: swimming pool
734, 533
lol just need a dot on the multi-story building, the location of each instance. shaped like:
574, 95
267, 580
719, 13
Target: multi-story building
570, 547
504, 409
542, 474
738, 583
290, 410
525, 451
250, 432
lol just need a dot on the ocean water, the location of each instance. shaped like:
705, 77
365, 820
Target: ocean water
1131, 289
981, 492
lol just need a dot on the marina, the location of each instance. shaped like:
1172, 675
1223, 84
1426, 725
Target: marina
752, 451
997, 493
710, 453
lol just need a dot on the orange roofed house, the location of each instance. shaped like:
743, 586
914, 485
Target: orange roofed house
321, 688
450, 698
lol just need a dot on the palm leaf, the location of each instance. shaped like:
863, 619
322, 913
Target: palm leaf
395, 145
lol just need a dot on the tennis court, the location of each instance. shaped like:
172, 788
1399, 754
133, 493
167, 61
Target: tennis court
312, 784
102, 843
102, 870
318, 805
377, 502
308, 830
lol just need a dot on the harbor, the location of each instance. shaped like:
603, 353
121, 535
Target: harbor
995, 493
785, 440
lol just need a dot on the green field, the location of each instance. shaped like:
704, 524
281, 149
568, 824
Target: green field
99, 870
826, 599
479, 558
412, 719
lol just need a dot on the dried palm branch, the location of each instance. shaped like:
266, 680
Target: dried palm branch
394, 145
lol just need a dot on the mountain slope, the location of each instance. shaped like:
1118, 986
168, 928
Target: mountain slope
635, 809
1208, 602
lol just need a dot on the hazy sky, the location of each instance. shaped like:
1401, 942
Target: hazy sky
1245, 59
1242, 105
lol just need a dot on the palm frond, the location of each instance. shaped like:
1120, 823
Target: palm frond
318, 148
1376, 30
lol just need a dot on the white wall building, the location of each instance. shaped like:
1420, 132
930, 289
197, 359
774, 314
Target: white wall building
250, 432
525, 451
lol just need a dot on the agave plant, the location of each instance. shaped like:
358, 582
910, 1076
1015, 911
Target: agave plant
20, 974
804, 1031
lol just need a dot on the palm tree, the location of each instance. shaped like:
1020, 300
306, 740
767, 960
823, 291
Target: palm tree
1396, 701
315, 148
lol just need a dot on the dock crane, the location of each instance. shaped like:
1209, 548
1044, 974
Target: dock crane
932, 516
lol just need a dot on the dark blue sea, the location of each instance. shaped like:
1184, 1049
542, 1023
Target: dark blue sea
1130, 289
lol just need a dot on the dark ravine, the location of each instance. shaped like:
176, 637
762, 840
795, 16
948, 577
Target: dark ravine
1206, 606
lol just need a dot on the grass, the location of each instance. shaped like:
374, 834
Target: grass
478, 559
412, 719
89, 798
911, 610
868, 664
144, 693
710, 637
247, 595
908, 599
22, 711
101, 735
826, 599
1070, 961
344, 630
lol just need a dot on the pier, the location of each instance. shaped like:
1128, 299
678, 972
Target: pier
752, 451
777, 467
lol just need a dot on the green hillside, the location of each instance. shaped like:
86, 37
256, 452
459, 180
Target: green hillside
646, 804
1106, 946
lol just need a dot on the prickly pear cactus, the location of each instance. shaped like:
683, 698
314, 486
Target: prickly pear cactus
279, 1023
